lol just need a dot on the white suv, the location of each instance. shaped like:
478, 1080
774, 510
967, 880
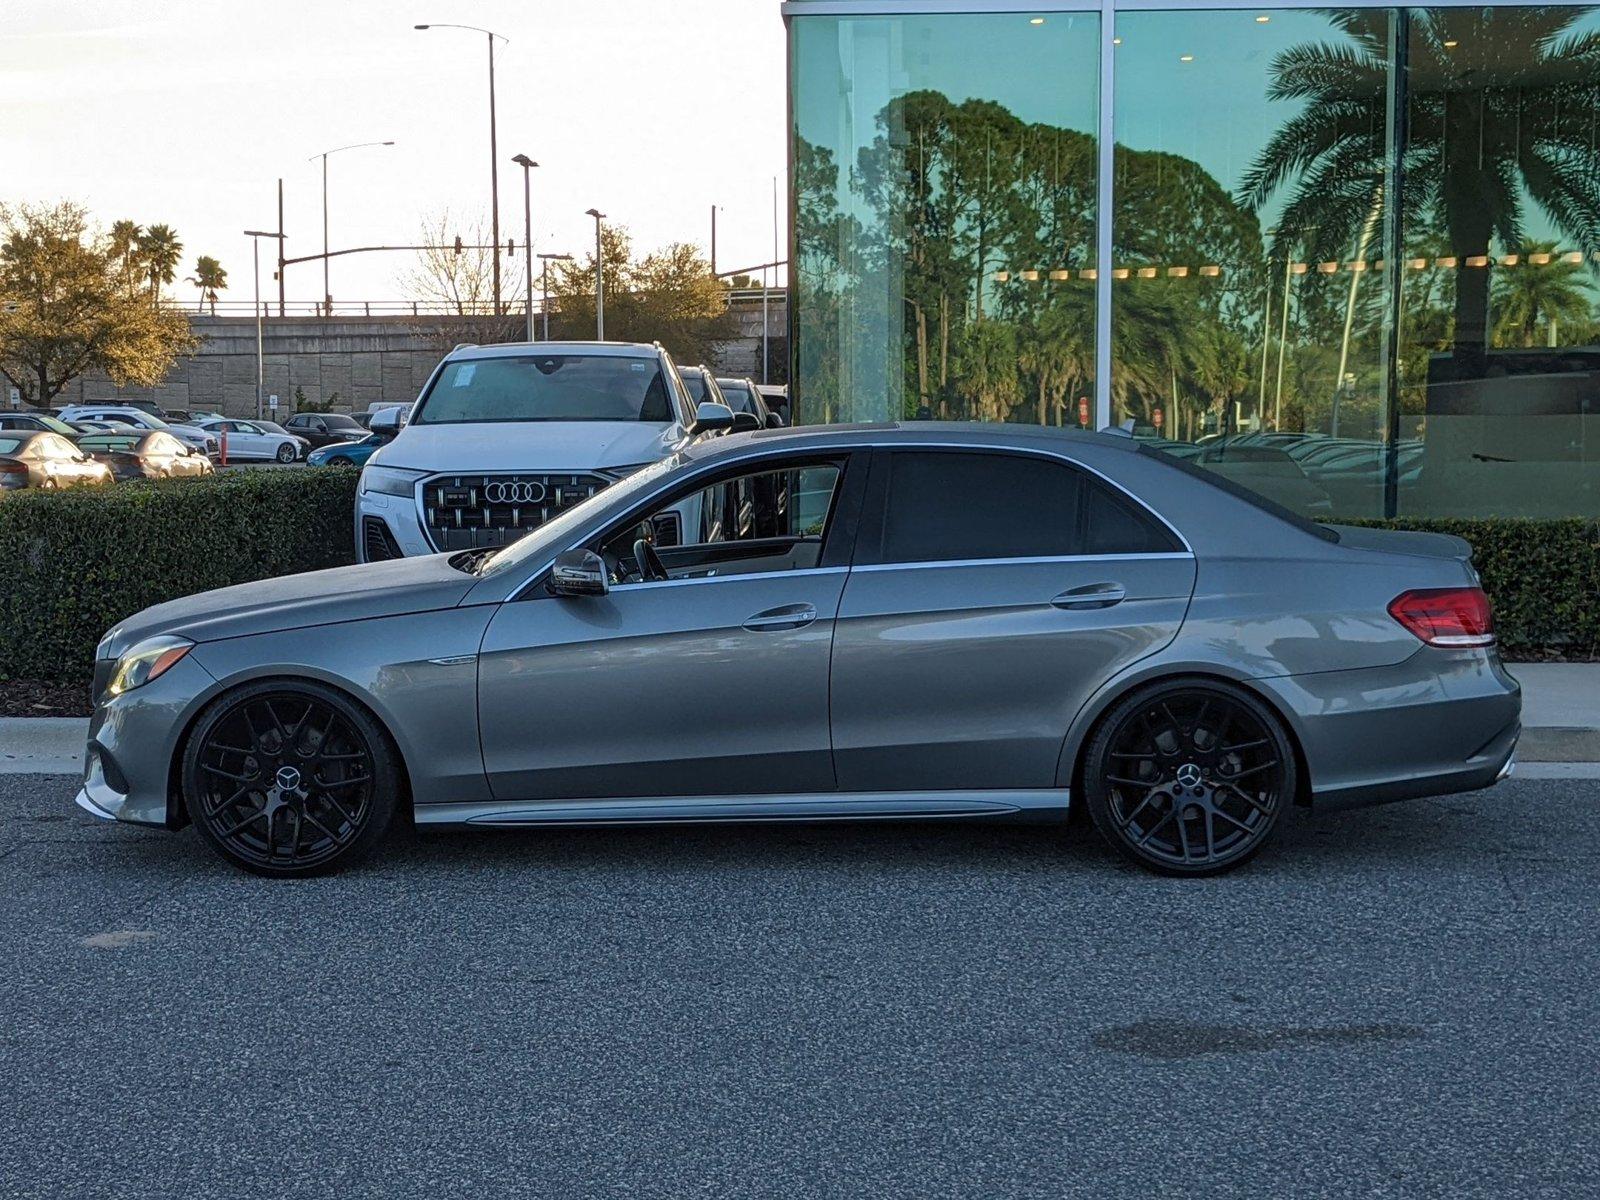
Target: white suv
126, 414
505, 437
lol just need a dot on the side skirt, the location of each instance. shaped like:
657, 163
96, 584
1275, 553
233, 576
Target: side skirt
1043, 805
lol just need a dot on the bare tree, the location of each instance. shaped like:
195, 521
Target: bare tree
461, 281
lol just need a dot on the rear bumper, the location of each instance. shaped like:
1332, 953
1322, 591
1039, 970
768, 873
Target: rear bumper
1442, 721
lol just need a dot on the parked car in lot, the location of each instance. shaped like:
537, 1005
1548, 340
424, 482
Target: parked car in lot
137, 455
977, 621
38, 422
507, 437
46, 460
324, 429
138, 418
743, 395
348, 454
253, 440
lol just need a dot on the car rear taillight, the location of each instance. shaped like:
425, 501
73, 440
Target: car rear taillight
1446, 616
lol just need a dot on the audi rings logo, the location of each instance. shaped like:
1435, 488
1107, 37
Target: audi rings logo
521, 491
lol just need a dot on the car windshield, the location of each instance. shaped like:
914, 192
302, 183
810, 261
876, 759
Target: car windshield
109, 441
147, 420
738, 397
554, 532
340, 421
56, 425
547, 387
271, 427
695, 381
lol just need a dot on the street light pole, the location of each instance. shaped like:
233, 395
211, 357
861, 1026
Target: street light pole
547, 259
494, 152
599, 278
255, 236
327, 292
527, 164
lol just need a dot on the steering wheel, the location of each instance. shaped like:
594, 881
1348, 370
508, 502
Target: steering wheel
650, 564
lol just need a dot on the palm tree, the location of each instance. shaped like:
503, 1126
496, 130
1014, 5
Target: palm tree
210, 277
124, 246
1541, 288
1502, 105
162, 252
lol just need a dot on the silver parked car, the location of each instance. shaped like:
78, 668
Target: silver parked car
926, 621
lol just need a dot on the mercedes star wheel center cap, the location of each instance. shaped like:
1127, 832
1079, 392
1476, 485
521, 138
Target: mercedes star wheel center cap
288, 778
1188, 775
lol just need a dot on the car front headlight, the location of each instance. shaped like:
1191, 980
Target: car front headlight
390, 481
146, 661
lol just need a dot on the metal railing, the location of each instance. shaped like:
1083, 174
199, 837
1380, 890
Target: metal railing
414, 308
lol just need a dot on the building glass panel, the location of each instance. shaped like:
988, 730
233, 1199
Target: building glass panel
944, 170
1355, 252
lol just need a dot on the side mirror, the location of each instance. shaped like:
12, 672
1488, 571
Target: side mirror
774, 421
386, 421
744, 422
709, 418
579, 573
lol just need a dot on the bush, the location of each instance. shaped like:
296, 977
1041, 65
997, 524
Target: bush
1542, 575
75, 563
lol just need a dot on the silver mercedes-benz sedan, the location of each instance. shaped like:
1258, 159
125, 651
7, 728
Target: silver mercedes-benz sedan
872, 621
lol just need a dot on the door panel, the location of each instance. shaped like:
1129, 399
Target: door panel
967, 675
661, 689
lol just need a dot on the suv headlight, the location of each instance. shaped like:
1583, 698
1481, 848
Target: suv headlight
147, 660
391, 481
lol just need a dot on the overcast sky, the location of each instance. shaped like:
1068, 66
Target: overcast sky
188, 112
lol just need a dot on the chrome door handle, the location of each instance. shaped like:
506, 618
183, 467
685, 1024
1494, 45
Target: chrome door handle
789, 616
1091, 595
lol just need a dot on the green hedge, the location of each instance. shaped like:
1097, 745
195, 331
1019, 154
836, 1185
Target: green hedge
1542, 575
75, 563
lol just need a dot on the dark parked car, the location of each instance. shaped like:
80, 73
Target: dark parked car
743, 395
154, 455
324, 429
45, 460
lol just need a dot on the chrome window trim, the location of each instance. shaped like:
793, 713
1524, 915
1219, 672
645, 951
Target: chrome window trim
1032, 560
666, 583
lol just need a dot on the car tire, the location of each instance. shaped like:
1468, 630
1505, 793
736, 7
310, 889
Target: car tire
290, 778
1189, 776
286, 453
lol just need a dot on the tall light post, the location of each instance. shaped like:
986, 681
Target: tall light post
255, 236
599, 278
494, 152
547, 259
527, 164
327, 294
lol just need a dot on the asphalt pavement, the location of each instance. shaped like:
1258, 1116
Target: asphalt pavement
1396, 1002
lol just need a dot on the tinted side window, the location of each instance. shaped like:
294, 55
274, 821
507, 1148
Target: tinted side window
951, 506
1113, 524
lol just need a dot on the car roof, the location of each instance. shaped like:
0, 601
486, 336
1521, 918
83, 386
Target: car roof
890, 433
523, 349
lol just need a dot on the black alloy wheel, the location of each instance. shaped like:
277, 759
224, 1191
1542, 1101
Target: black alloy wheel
289, 778
1189, 777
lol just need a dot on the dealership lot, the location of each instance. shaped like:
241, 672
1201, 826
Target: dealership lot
1399, 1001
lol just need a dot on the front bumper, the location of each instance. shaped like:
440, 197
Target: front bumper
398, 515
129, 762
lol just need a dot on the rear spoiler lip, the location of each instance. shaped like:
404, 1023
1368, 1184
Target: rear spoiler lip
1366, 537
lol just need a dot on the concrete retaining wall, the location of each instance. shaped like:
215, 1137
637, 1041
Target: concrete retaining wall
351, 361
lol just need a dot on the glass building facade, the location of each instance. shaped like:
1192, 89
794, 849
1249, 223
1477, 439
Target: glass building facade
1347, 256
